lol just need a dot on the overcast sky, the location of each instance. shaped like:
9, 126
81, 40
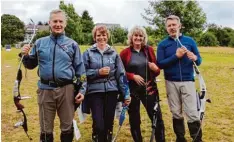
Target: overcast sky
127, 13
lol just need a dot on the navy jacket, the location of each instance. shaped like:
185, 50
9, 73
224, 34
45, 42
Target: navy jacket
176, 69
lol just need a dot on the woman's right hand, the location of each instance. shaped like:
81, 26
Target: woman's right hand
139, 80
127, 101
25, 49
104, 71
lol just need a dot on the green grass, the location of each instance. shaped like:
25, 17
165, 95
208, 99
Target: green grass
217, 69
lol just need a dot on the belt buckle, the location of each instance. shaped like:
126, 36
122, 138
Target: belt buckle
105, 80
52, 83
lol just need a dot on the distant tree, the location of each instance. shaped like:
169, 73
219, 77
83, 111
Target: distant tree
231, 43
12, 29
230, 33
74, 25
87, 24
41, 34
118, 35
149, 30
192, 17
223, 35
208, 39
88, 38
151, 41
39, 23
46, 23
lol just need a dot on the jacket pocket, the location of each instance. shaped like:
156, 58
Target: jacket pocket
95, 63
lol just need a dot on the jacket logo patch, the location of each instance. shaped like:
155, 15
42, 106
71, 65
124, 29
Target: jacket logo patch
111, 61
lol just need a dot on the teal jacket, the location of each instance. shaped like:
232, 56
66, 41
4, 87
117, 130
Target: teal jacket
59, 58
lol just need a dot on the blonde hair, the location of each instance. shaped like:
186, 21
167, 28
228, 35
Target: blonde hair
137, 30
172, 17
56, 11
102, 29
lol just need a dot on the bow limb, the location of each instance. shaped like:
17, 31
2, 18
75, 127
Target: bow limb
202, 97
121, 120
154, 121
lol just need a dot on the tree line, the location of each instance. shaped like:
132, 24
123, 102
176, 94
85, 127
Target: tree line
79, 27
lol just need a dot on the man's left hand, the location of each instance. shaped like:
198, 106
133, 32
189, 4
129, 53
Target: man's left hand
79, 98
191, 56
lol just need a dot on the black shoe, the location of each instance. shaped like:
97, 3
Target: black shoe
98, 138
160, 131
94, 138
195, 131
67, 136
109, 136
179, 129
46, 137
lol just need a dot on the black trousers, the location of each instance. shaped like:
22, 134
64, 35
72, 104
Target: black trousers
134, 115
102, 107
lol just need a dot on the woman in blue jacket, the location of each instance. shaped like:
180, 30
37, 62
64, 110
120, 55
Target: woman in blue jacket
104, 79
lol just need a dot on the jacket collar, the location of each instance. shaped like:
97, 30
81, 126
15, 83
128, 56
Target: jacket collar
142, 49
108, 49
61, 36
180, 36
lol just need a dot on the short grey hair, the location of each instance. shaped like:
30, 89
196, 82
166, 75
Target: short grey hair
56, 11
137, 30
172, 17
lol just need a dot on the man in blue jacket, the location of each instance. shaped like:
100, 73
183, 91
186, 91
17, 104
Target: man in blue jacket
60, 61
177, 63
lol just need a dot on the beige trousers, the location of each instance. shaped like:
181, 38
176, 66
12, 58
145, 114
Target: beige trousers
182, 98
60, 100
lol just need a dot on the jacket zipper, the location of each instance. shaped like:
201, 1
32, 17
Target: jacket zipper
53, 67
102, 67
181, 78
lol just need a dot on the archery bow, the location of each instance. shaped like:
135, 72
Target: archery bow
16, 93
203, 92
151, 90
121, 120
126, 91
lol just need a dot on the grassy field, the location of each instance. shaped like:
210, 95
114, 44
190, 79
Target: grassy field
217, 69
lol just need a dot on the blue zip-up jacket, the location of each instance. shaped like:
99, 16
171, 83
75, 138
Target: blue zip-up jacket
59, 58
93, 61
176, 69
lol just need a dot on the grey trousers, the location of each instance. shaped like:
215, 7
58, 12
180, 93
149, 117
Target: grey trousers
60, 100
182, 98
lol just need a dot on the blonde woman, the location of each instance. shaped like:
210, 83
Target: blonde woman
140, 63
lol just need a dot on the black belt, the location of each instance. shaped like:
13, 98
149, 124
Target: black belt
100, 80
56, 84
